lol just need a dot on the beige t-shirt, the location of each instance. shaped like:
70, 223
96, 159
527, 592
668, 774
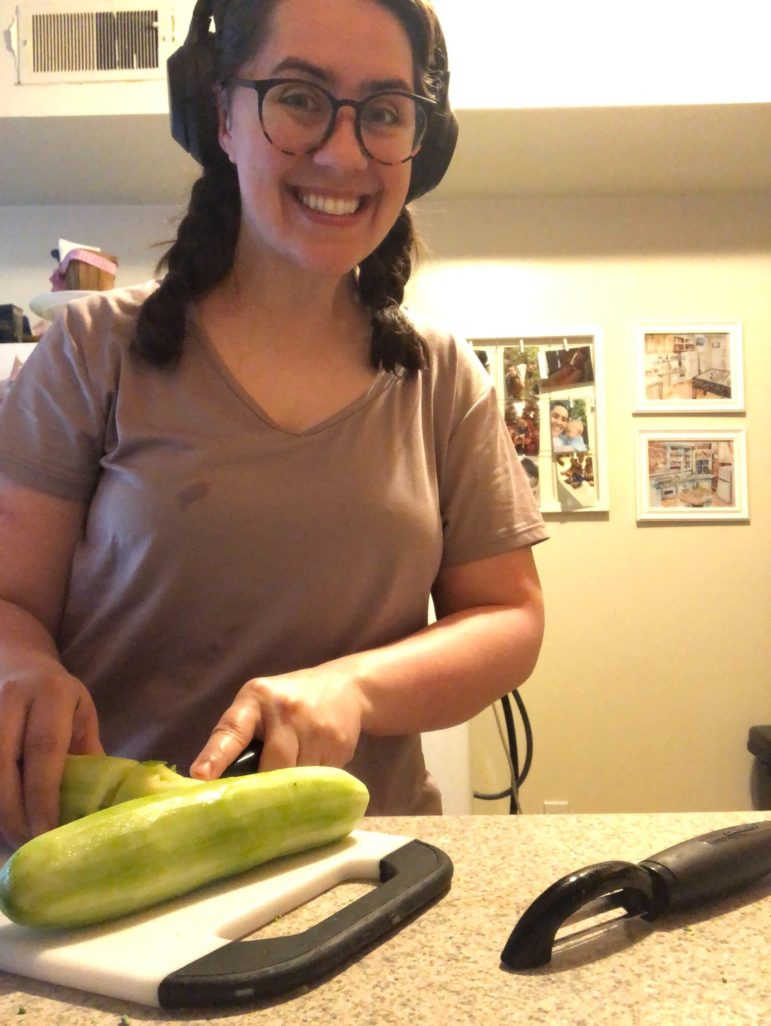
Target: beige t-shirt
218, 547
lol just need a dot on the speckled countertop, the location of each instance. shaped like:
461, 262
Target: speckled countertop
711, 967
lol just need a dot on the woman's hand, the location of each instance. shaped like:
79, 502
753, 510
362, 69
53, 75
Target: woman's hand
305, 718
45, 715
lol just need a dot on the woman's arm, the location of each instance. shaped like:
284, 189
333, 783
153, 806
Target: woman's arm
484, 643
44, 711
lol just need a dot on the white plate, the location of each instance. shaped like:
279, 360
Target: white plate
47, 304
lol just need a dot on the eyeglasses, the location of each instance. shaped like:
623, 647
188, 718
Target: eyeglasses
298, 117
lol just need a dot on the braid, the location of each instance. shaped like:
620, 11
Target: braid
382, 277
200, 257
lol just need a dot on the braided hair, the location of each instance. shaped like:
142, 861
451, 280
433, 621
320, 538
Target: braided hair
203, 251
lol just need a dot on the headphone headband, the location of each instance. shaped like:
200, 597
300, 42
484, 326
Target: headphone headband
193, 109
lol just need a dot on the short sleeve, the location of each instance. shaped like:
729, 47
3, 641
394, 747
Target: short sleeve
53, 420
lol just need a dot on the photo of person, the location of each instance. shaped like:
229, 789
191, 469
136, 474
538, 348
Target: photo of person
483, 357
568, 367
524, 427
568, 426
520, 373
574, 434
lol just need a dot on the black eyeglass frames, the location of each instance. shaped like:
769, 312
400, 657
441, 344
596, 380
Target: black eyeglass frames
298, 117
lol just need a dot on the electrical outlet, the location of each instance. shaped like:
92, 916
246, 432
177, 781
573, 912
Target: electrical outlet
555, 807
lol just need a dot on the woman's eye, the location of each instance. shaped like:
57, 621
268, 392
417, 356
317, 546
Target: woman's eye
382, 114
302, 100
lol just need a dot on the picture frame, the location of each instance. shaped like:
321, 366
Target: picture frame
696, 476
551, 390
689, 368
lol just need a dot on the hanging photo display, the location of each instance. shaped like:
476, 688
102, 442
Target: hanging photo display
548, 391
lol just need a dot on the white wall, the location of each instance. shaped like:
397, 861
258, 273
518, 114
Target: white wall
657, 655
504, 54
602, 52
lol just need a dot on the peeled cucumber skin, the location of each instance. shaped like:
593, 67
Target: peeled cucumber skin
89, 783
131, 856
150, 778
93, 782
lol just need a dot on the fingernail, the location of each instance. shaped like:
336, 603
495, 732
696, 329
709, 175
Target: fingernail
202, 770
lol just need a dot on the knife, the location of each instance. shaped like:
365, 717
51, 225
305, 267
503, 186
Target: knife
247, 762
688, 874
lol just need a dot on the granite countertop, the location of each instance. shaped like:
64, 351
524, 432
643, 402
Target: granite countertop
701, 968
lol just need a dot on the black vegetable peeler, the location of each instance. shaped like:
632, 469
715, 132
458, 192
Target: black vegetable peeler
686, 875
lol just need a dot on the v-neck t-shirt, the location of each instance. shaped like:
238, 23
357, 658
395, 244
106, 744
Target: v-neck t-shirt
218, 547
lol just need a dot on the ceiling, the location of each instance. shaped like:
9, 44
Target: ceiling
131, 159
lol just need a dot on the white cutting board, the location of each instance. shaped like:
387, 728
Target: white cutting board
129, 958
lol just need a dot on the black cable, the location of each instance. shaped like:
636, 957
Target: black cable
528, 739
517, 777
508, 717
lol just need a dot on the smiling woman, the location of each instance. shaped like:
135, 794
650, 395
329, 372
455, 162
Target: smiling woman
258, 470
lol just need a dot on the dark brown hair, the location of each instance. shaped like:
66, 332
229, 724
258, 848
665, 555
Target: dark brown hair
203, 251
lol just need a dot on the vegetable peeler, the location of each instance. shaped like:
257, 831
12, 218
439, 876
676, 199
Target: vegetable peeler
686, 875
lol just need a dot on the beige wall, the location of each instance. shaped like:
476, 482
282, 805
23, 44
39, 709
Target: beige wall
656, 656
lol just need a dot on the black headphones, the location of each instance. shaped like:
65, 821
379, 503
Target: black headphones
194, 112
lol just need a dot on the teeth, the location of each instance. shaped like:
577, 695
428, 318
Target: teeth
328, 204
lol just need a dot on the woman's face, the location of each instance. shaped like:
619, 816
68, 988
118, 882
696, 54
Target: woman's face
348, 47
559, 419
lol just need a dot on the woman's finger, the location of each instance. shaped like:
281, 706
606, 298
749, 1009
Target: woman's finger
235, 729
46, 742
14, 828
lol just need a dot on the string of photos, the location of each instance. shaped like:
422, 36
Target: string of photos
550, 391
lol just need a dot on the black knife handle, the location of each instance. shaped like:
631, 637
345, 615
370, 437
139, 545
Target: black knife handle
247, 762
412, 877
709, 866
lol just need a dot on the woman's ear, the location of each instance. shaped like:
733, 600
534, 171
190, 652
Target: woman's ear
223, 122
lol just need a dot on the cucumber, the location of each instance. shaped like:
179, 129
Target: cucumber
93, 782
146, 850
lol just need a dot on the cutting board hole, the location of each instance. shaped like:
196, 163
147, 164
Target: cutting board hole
307, 915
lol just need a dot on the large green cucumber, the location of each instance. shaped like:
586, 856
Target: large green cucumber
133, 855
93, 782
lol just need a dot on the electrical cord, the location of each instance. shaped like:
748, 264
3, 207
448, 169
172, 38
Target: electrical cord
512, 754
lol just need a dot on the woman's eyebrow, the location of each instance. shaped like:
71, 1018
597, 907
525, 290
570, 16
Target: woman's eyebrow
372, 85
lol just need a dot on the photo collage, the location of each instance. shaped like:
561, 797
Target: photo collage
547, 392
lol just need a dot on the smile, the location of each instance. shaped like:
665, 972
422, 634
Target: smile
329, 204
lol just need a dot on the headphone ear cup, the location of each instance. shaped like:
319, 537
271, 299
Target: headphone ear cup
192, 106
431, 163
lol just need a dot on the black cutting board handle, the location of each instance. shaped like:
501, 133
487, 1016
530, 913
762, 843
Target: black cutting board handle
411, 877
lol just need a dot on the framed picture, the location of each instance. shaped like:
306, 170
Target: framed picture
549, 386
690, 368
692, 475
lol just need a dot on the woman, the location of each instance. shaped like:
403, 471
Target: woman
226, 499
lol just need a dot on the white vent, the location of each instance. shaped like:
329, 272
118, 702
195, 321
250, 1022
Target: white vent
77, 41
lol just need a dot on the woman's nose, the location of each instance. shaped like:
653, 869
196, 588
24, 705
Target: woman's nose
342, 148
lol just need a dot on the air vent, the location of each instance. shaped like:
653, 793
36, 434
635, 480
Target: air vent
93, 44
